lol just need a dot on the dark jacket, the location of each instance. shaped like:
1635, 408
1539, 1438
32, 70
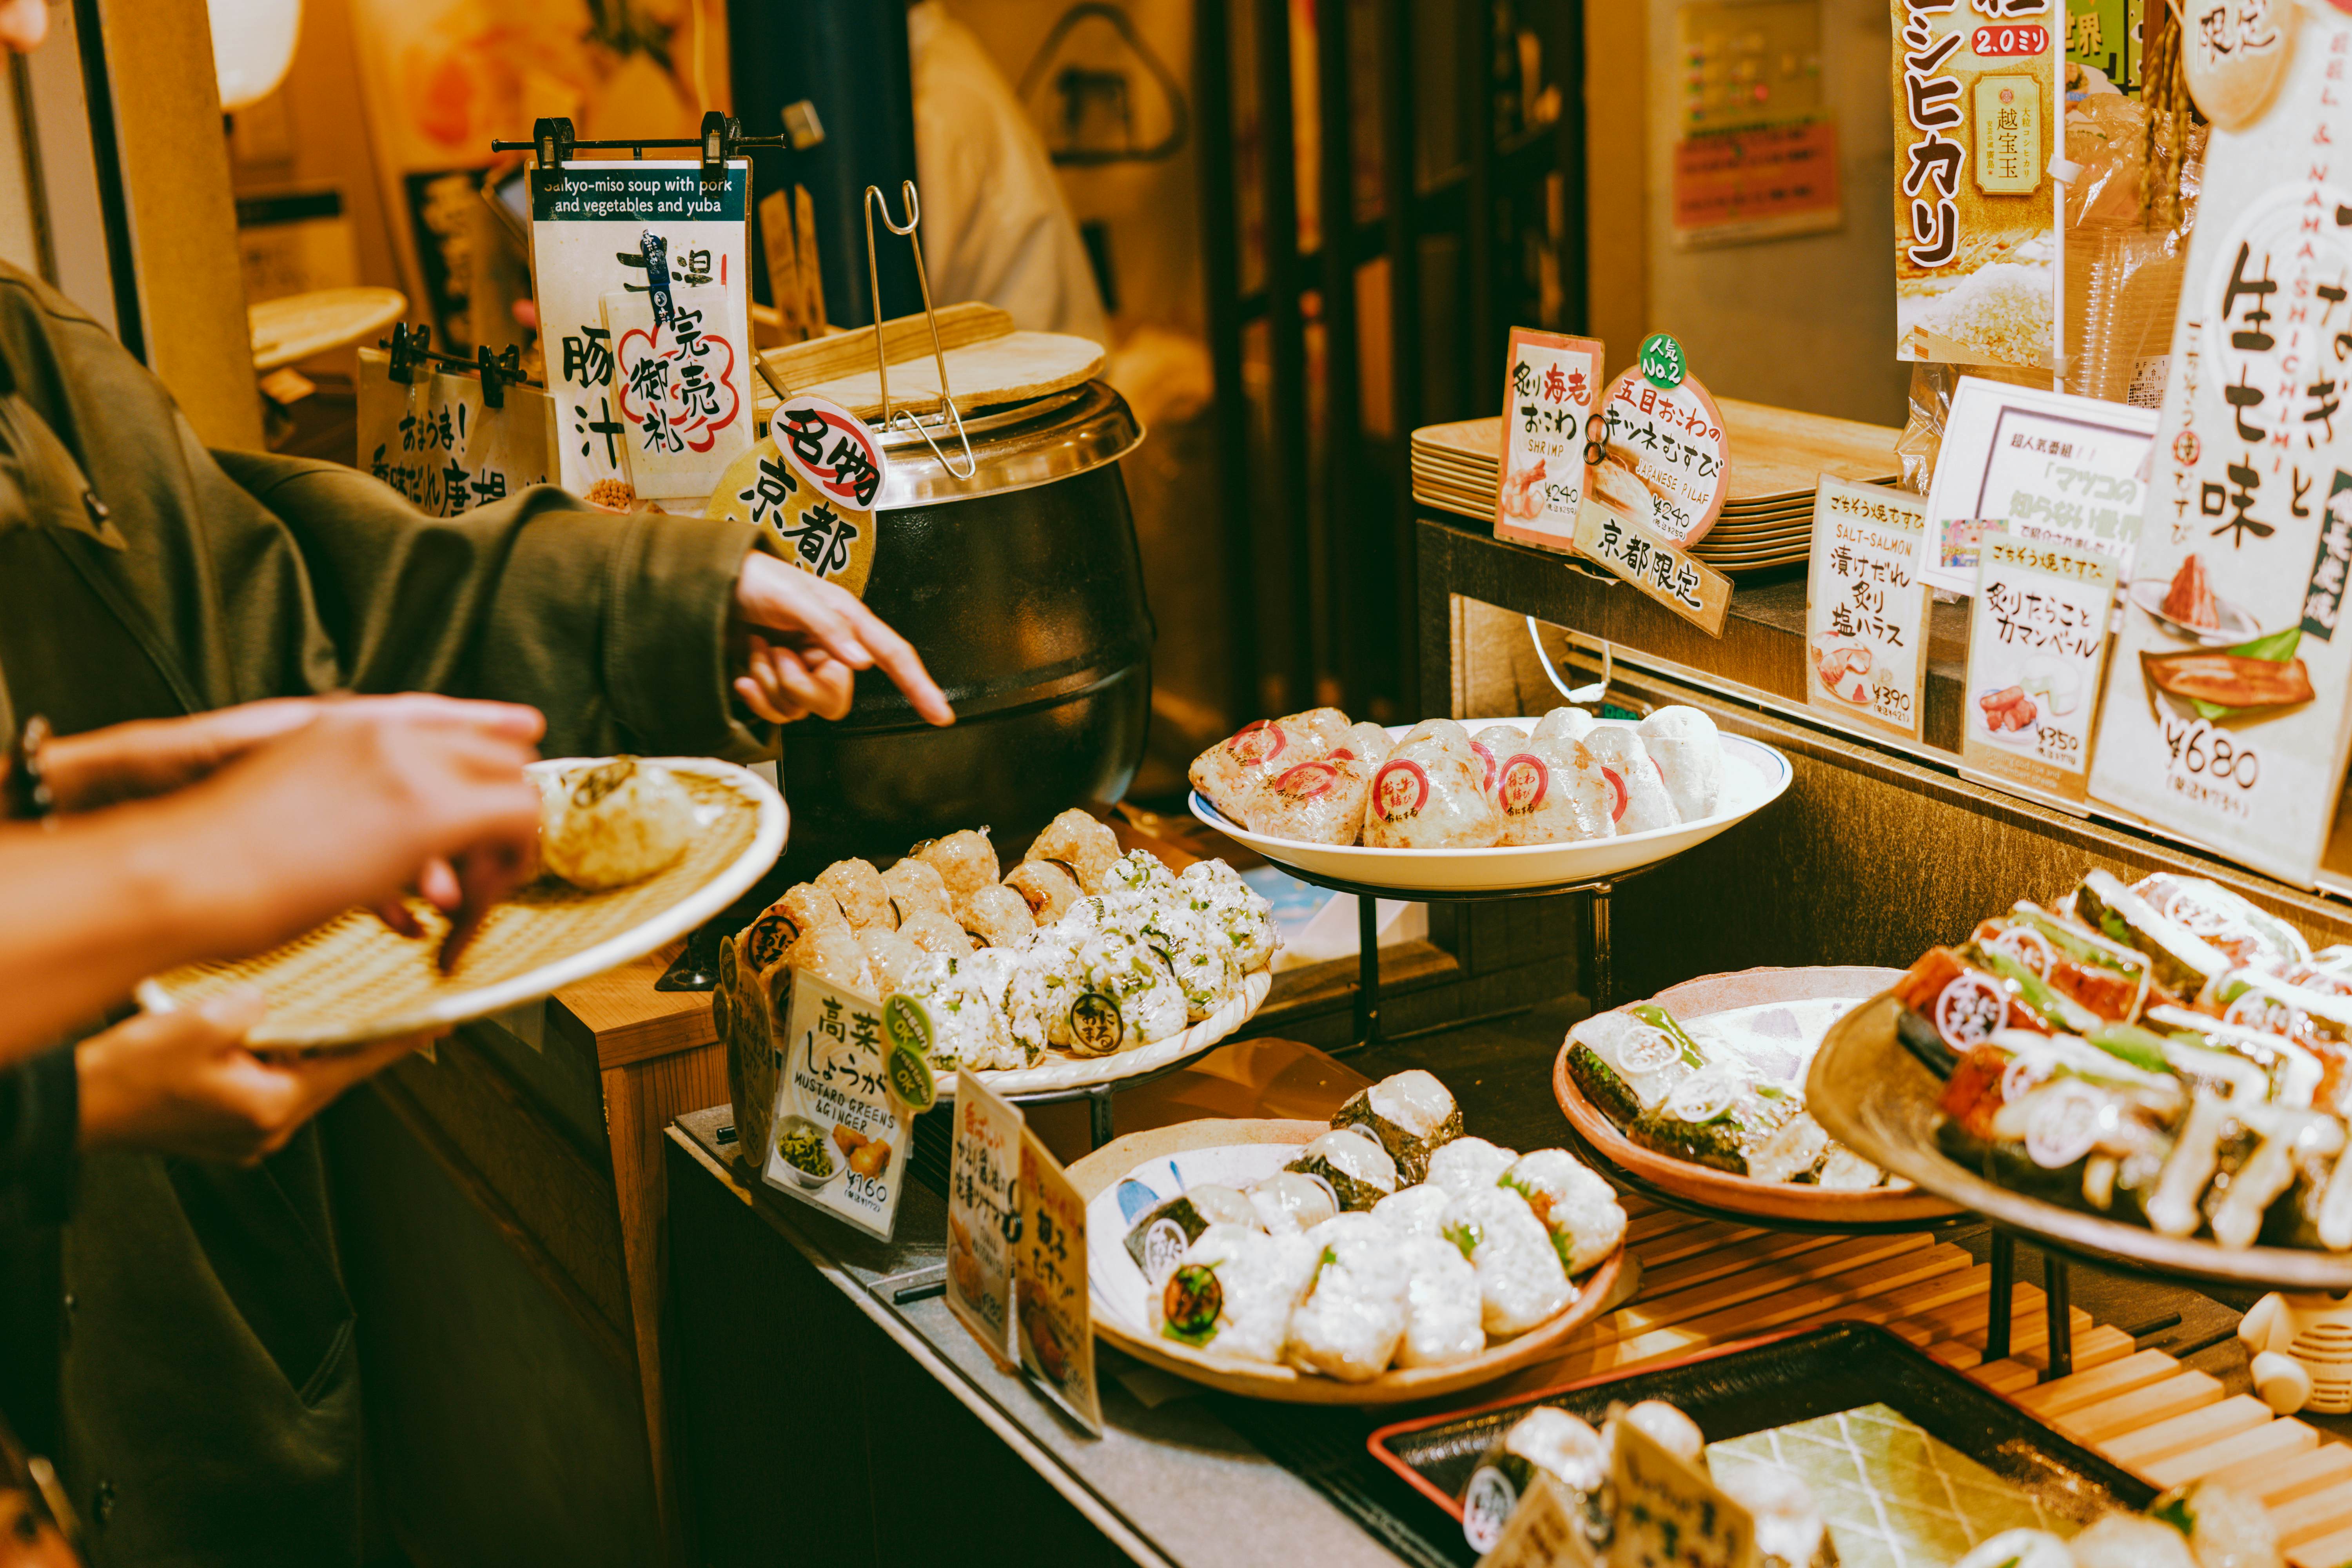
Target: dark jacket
211, 1410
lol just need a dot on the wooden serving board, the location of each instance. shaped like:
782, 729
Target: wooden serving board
1708, 1282
845, 353
1009, 369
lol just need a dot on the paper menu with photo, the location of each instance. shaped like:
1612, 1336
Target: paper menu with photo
1865, 608
2037, 643
2225, 718
983, 1214
1550, 389
588, 237
2043, 466
683, 393
839, 1138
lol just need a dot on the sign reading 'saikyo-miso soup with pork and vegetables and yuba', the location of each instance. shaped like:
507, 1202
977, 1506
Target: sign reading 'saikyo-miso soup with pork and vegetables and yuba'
2225, 716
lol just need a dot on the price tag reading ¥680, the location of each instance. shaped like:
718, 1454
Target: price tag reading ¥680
1865, 608
983, 1214
2037, 642
839, 1140
1053, 1324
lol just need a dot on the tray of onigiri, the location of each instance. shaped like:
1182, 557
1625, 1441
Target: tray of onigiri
1381, 1257
1498, 805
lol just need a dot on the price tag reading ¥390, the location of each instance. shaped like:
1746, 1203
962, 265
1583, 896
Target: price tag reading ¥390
1865, 608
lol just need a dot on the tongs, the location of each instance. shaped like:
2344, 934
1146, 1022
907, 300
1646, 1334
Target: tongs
873, 199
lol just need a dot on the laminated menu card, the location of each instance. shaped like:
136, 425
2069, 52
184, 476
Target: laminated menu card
1543, 1531
983, 1214
1669, 1514
1865, 608
2037, 642
1053, 1322
1549, 392
839, 1137
589, 230
2225, 717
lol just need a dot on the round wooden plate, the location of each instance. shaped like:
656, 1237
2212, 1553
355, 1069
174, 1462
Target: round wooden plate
1603, 1290
1765, 1201
1875, 1097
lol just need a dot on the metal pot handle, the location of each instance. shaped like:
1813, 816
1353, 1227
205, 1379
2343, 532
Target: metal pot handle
873, 199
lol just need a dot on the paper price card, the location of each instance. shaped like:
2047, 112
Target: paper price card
588, 239
983, 1214
1548, 397
1669, 1515
1655, 454
839, 1139
435, 441
1543, 1532
2037, 641
2046, 465
1696, 593
1053, 1324
1865, 608
2225, 719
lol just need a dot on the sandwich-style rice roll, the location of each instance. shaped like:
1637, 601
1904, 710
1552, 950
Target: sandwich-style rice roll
965, 860
1521, 1282
1047, 887
1564, 724
915, 888
1552, 790
1414, 1212
1288, 1202
1683, 742
1411, 1113
1643, 802
1352, 1318
1234, 1291
857, 888
1352, 1164
1317, 802
1463, 1165
1579, 1209
996, 915
1443, 1311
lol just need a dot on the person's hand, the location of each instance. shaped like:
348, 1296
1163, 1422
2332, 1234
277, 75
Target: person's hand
150, 757
824, 635
184, 1083
363, 802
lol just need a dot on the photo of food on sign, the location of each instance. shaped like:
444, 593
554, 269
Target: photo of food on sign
1657, 454
2230, 671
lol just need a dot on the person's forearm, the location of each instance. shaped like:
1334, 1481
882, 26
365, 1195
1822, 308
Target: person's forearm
95, 903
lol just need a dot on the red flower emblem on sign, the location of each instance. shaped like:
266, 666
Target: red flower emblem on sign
676, 393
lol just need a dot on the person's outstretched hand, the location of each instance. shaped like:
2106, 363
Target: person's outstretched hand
807, 639
184, 1083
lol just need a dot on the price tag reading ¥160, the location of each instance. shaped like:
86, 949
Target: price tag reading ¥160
1669, 1515
1543, 1532
839, 1140
983, 1214
1548, 397
2037, 642
1053, 1324
1865, 608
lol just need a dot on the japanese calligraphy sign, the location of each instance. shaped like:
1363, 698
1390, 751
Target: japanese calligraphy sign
1549, 392
435, 442
1655, 453
684, 394
588, 240
2037, 642
2226, 717
797, 519
1977, 118
983, 1214
1697, 593
1053, 1322
2046, 465
1669, 1514
1865, 606
1543, 1532
838, 1140
2234, 55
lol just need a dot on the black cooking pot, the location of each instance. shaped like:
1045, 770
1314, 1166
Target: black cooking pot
1022, 588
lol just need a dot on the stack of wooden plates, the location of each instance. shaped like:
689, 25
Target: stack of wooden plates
1777, 457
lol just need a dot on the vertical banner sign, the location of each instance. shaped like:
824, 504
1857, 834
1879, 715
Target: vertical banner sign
983, 1214
1054, 1325
2037, 640
1978, 114
1865, 608
435, 442
588, 240
839, 1139
2226, 719
2046, 465
1669, 1514
1549, 392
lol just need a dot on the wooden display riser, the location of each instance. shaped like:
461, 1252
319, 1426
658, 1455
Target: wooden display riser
1706, 1282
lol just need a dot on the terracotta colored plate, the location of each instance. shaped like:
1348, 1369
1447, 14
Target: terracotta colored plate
1601, 1290
1767, 1201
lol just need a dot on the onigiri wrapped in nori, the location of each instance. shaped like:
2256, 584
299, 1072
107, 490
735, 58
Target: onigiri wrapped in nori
1578, 1208
1521, 1281
1233, 1291
1352, 1318
1287, 1203
1546, 1440
1410, 1113
1352, 1164
1160, 1236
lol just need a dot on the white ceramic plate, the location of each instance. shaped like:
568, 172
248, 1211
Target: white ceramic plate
1754, 775
1061, 1072
2237, 627
355, 979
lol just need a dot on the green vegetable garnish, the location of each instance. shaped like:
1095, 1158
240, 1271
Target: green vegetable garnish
1465, 1236
1190, 1303
1658, 1018
2178, 1514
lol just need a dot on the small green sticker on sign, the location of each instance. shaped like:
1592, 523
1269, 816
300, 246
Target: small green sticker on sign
1662, 362
911, 1083
908, 1024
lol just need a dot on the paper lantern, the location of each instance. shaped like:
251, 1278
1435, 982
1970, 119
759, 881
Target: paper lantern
253, 44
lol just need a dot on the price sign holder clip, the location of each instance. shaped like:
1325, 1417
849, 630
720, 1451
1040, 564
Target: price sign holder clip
412, 348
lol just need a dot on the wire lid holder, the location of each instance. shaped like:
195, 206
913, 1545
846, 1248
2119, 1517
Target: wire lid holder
953, 417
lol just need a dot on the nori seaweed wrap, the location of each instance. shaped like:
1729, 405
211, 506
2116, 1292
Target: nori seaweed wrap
1160, 1236
1352, 1164
1412, 1114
